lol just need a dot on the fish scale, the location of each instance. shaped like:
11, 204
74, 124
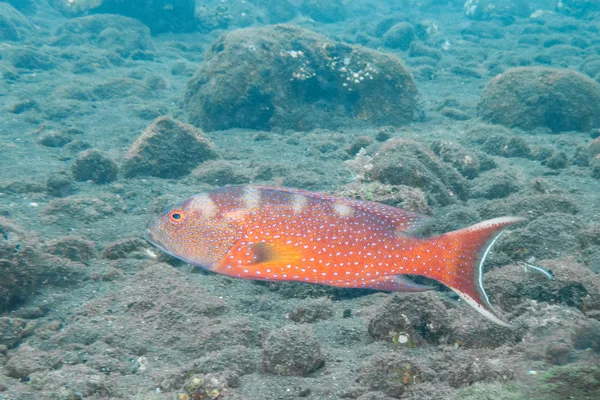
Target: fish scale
284, 234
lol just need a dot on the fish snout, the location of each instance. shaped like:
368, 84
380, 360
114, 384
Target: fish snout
149, 236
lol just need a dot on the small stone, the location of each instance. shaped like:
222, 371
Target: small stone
360, 142
54, 139
384, 133
400, 36
391, 373
218, 173
74, 248
423, 318
123, 248
22, 106
11, 331
558, 160
77, 146
595, 164
312, 310
324, 11
418, 49
92, 165
544, 152
557, 353
291, 351
454, 113
59, 185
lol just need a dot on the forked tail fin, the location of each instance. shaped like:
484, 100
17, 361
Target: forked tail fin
463, 253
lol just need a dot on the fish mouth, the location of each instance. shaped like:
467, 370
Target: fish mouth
149, 237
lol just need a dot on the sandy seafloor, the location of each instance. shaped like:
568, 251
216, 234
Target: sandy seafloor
135, 326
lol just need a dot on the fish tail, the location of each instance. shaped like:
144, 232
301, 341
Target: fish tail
463, 253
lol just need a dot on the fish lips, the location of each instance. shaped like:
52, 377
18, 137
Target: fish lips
151, 238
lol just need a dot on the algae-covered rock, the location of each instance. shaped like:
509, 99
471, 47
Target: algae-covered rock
574, 285
25, 6
74, 7
324, 11
20, 258
312, 310
292, 78
468, 162
158, 15
576, 381
552, 234
532, 97
92, 165
495, 185
109, 32
400, 36
472, 368
167, 149
25, 266
503, 10
410, 320
13, 25
405, 162
291, 351
579, 8
392, 373
74, 248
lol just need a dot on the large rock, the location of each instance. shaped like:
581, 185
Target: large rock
158, 15
13, 25
406, 162
292, 78
167, 149
25, 267
25, 6
324, 11
503, 10
531, 97
579, 8
109, 32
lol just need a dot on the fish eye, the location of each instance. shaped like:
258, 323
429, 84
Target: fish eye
176, 216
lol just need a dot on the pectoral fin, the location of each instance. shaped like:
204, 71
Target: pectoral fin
259, 260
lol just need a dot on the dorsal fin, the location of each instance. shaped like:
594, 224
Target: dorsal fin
402, 221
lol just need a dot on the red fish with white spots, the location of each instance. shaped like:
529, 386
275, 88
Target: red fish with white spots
282, 234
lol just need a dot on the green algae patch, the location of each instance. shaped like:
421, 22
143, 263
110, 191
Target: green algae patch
493, 391
575, 381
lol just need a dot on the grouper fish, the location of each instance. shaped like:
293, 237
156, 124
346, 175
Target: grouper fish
284, 234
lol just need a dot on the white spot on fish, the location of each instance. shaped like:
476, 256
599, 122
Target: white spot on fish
299, 203
205, 204
251, 198
342, 210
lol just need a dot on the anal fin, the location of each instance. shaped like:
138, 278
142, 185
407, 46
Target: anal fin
398, 283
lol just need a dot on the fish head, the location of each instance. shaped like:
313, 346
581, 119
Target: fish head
194, 231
